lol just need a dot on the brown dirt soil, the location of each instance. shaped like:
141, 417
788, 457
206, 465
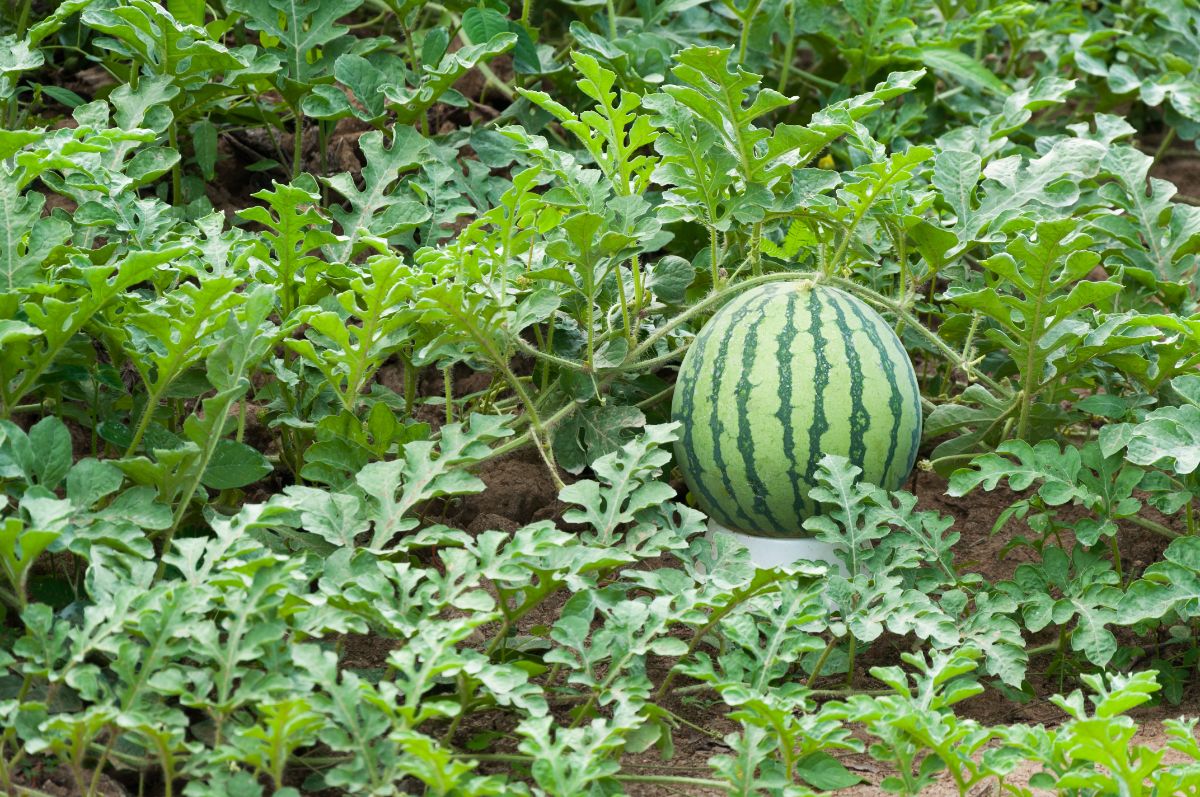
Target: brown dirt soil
518, 486
59, 783
1181, 165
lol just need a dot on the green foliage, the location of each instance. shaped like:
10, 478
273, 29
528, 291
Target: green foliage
351, 353
296, 227
302, 31
913, 727
348, 471
382, 209
1037, 325
376, 91
613, 134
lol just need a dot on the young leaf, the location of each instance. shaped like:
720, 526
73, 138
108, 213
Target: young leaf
627, 485
410, 104
301, 28
382, 208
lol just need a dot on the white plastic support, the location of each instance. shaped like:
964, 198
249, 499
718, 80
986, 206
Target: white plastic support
767, 552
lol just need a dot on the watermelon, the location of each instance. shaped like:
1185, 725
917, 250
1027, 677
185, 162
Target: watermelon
779, 377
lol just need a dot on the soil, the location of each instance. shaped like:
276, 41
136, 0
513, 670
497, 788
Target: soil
1181, 166
60, 783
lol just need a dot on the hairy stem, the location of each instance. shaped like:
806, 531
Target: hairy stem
1151, 525
816, 671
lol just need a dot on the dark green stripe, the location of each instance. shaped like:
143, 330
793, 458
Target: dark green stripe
820, 381
685, 390
860, 419
745, 434
916, 403
912, 400
785, 345
895, 400
714, 424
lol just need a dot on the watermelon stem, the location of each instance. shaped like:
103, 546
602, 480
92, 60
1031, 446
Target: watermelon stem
591, 329
537, 430
665, 393
524, 439
756, 250
707, 303
850, 662
816, 670
635, 269
714, 258
655, 362
871, 297
624, 305
561, 362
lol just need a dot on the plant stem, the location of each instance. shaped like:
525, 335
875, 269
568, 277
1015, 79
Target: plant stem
850, 662
714, 258
143, 422
537, 430
657, 397
1163, 147
463, 700
185, 497
177, 169
655, 362
635, 268
754, 254
738, 599
561, 362
549, 347
625, 317
298, 144
526, 438
410, 382
789, 50
747, 18
839, 254
98, 768
1151, 525
702, 306
816, 672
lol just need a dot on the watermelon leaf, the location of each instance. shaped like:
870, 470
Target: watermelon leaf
626, 484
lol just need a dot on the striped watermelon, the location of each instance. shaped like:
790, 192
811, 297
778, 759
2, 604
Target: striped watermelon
779, 377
